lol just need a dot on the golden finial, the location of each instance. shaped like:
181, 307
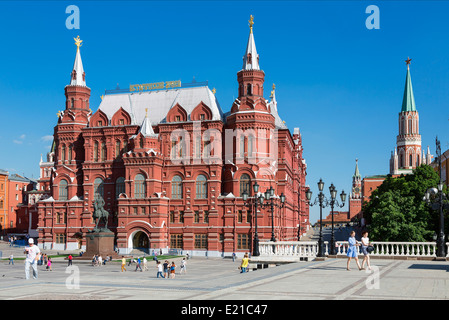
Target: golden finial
146, 112
214, 91
78, 41
59, 114
272, 91
102, 96
251, 22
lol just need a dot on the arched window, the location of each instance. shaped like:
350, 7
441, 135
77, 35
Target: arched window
176, 187
63, 152
103, 151
410, 128
63, 189
119, 186
242, 146
201, 187
139, 186
245, 183
250, 145
69, 155
248, 90
411, 161
96, 151
98, 187
141, 143
117, 148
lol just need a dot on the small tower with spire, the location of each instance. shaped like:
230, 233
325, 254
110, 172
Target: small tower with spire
77, 93
356, 197
408, 152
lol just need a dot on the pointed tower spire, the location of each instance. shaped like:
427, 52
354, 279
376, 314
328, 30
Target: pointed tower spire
357, 173
146, 128
78, 75
251, 58
408, 102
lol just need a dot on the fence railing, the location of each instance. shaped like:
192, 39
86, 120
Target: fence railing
309, 249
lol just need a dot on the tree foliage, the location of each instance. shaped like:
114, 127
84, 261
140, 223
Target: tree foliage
396, 210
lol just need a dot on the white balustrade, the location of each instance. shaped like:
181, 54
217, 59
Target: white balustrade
309, 249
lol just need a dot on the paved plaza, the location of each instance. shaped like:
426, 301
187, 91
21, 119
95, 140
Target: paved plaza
219, 279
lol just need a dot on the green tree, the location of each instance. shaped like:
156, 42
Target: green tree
396, 210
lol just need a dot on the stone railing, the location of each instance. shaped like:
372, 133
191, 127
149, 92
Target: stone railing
295, 250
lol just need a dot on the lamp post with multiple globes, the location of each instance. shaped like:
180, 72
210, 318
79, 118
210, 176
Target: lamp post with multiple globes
324, 202
258, 200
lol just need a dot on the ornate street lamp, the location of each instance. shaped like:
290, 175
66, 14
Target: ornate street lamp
333, 191
437, 200
324, 202
255, 201
269, 195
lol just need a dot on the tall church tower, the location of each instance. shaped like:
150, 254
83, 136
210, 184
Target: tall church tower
253, 127
408, 153
69, 143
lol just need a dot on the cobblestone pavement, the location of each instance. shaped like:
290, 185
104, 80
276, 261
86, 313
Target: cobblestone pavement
219, 279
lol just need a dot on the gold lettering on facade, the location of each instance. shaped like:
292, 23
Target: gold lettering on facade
155, 85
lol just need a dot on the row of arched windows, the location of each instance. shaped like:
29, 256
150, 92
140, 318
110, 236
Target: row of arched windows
100, 152
409, 125
140, 187
66, 152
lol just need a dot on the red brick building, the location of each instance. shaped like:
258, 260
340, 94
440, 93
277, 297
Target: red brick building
171, 166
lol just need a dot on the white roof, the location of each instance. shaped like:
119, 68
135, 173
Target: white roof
159, 103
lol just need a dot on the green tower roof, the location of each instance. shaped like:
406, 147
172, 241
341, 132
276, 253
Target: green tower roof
408, 102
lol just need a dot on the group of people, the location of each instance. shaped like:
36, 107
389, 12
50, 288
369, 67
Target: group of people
97, 260
365, 245
164, 270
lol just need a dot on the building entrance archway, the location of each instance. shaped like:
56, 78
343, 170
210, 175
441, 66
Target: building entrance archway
139, 240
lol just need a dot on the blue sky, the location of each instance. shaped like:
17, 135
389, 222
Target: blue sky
339, 82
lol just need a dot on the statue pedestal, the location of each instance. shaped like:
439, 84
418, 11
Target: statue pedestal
101, 243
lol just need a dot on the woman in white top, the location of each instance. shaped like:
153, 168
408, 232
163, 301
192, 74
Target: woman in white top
365, 244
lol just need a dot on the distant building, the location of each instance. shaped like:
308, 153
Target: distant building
408, 153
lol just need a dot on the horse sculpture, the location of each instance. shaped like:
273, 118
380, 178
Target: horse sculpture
100, 214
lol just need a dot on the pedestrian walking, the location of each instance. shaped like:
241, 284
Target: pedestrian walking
123, 263
352, 250
365, 245
233, 257
49, 264
99, 260
244, 264
165, 265
145, 264
11, 259
172, 270
138, 265
130, 261
70, 260
159, 270
183, 266
32, 251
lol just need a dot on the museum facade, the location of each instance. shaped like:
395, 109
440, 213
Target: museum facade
173, 168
